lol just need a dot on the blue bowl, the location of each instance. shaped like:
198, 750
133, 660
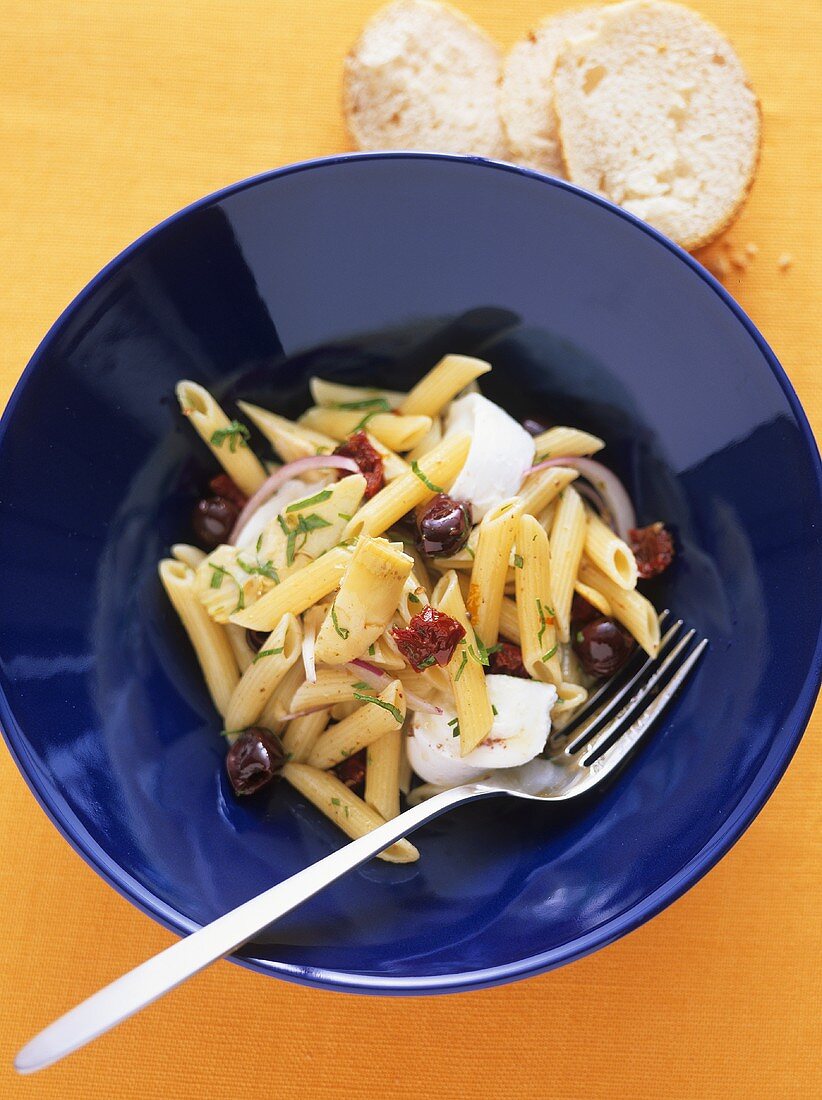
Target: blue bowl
370, 268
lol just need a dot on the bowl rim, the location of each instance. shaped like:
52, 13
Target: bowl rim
741, 816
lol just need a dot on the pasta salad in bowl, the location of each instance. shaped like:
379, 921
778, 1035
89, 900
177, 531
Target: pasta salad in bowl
400, 606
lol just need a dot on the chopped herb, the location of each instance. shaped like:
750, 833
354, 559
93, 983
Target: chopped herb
217, 576
240, 601
235, 433
482, 653
462, 666
343, 515
470, 552
259, 542
455, 727
230, 733
361, 685
304, 526
543, 621
543, 457
494, 648
547, 656
579, 637
318, 498
372, 649
368, 416
395, 711
341, 630
266, 569
336, 802
494, 710
412, 598
266, 653
415, 467
380, 404
427, 661
286, 530
345, 809
518, 562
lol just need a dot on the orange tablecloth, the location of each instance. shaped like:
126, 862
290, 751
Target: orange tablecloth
113, 116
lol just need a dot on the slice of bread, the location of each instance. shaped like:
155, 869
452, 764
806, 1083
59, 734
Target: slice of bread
423, 76
656, 114
527, 92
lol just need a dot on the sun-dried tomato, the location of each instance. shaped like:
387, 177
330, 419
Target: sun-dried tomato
431, 637
367, 458
223, 486
507, 661
352, 771
653, 548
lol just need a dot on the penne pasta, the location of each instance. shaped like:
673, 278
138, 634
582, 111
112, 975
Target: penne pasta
490, 572
405, 772
558, 442
243, 654
336, 395
567, 541
343, 710
442, 383
399, 433
191, 556
594, 598
539, 489
301, 735
211, 646
392, 465
631, 608
474, 714
258, 683
428, 442
227, 439
609, 553
378, 715
509, 620
297, 593
433, 474
535, 612
278, 707
369, 593
354, 816
382, 774
333, 685
289, 439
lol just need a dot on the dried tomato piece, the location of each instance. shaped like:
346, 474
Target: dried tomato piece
352, 771
507, 661
653, 548
367, 458
224, 486
430, 637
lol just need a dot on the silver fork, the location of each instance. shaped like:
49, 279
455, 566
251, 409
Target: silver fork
595, 746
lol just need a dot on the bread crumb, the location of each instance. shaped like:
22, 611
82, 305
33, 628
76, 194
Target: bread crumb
785, 261
751, 248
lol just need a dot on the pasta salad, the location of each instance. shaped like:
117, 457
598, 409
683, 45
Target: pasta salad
398, 606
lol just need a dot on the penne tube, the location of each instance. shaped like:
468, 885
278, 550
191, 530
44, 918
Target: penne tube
333, 685
535, 613
567, 541
370, 591
609, 553
557, 442
259, 682
343, 710
399, 433
227, 439
392, 465
631, 608
405, 772
384, 654
378, 715
431, 475
191, 556
279, 704
336, 395
539, 489
428, 442
354, 816
298, 592
441, 384
211, 646
301, 735
243, 654
382, 774
474, 714
430, 684
288, 438
594, 598
509, 620
490, 572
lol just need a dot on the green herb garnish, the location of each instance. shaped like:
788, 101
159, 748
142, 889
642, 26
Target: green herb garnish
542, 620
259, 542
494, 710
236, 433
344, 515
413, 598
361, 685
481, 656
455, 727
240, 601
336, 802
547, 656
518, 562
341, 630
266, 569
470, 552
395, 711
379, 404
426, 662
217, 576
579, 638
318, 498
415, 467
266, 653
461, 669
372, 649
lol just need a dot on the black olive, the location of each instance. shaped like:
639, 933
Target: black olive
213, 519
603, 646
444, 525
535, 427
255, 758
254, 639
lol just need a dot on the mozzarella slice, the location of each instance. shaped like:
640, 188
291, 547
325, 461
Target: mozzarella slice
521, 727
501, 451
291, 490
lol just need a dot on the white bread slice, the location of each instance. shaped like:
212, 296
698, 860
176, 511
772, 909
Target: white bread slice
527, 92
656, 114
423, 76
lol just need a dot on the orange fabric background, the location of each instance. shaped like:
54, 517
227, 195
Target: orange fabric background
113, 116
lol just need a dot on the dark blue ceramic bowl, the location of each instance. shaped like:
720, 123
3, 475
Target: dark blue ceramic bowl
368, 268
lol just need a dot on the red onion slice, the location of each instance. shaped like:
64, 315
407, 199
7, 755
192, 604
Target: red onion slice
301, 713
607, 485
272, 483
376, 678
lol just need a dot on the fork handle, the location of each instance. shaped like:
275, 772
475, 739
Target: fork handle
160, 974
